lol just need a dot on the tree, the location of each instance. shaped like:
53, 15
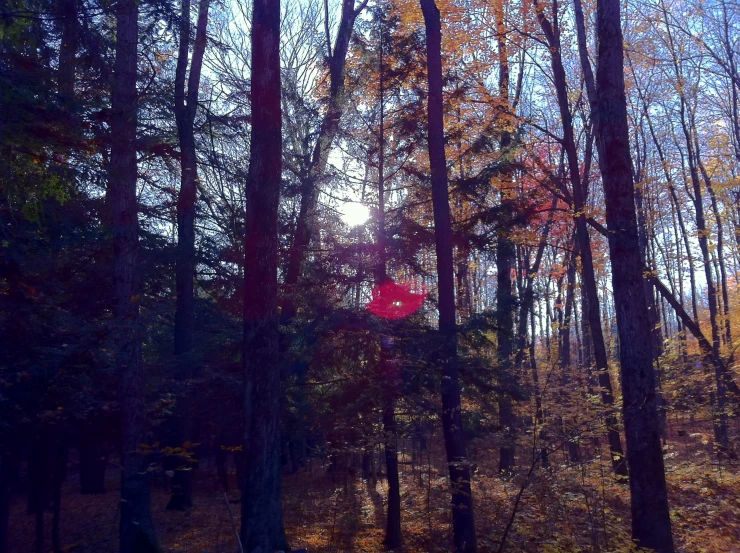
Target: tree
651, 524
137, 531
592, 313
262, 512
313, 171
186, 105
463, 526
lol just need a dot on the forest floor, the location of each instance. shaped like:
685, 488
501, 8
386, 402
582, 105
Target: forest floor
567, 508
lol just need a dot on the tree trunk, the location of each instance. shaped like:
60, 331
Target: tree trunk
136, 529
462, 500
58, 476
651, 526
7, 478
386, 373
590, 290
262, 511
186, 104
93, 460
505, 256
393, 528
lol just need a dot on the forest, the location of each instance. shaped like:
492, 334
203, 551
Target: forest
324, 276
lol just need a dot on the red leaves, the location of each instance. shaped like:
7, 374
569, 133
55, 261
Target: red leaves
394, 301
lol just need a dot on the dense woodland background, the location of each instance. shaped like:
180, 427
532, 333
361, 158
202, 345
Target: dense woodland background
528, 345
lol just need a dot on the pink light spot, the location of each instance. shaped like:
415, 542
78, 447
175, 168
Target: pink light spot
394, 301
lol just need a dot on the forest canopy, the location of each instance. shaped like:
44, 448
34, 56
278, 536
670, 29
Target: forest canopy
369, 275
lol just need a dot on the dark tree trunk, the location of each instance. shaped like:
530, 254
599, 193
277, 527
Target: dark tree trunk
651, 526
58, 475
7, 477
393, 528
93, 460
590, 290
262, 511
38, 474
136, 529
39, 534
186, 104
505, 255
462, 500
386, 373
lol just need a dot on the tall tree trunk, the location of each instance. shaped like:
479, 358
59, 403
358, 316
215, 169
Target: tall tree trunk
505, 255
387, 376
136, 528
186, 104
59, 473
579, 195
8, 469
262, 511
93, 458
651, 525
463, 526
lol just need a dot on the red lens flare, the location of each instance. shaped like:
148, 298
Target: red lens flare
394, 301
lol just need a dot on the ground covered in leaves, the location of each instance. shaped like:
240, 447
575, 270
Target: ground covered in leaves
566, 508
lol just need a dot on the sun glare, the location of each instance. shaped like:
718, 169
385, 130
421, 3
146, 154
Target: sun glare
354, 214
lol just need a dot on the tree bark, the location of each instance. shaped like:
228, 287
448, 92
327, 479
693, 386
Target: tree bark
462, 500
651, 526
262, 512
136, 529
